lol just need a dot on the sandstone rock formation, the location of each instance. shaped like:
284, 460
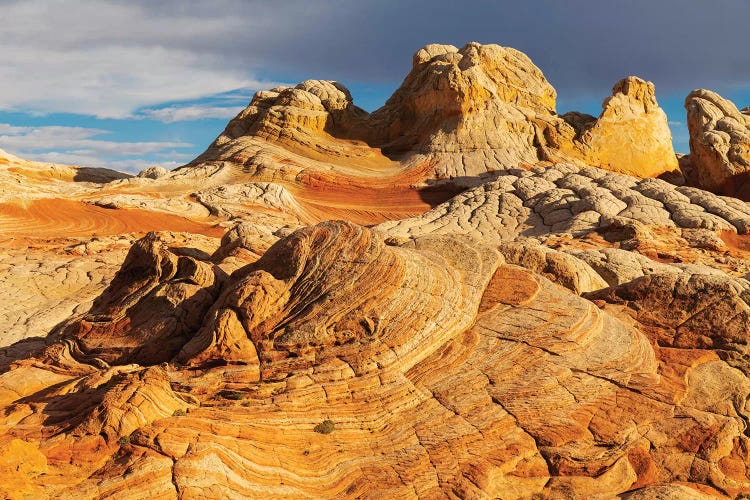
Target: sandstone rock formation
153, 172
631, 136
459, 112
719, 143
563, 199
315, 308
435, 377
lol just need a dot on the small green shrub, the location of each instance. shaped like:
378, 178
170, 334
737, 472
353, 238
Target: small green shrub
233, 395
124, 440
325, 427
179, 413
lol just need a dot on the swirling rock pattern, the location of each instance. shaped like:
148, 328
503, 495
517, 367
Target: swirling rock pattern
461, 111
515, 323
443, 369
719, 143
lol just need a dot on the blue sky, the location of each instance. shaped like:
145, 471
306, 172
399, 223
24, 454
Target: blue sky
129, 84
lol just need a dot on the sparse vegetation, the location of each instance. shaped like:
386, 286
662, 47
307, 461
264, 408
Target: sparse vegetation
325, 427
124, 440
233, 395
179, 413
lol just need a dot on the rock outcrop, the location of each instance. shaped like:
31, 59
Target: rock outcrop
631, 136
436, 353
443, 298
565, 199
459, 112
719, 144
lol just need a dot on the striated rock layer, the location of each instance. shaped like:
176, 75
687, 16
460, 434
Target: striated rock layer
719, 144
438, 367
443, 298
459, 112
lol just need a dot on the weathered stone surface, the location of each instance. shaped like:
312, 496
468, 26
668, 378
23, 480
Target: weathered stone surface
563, 199
618, 266
719, 144
567, 270
631, 136
436, 353
691, 311
459, 112
21, 465
534, 327
146, 314
154, 172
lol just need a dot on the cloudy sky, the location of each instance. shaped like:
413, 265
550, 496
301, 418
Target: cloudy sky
132, 83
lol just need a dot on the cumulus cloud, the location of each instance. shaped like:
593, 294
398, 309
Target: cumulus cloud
173, 114
79, 146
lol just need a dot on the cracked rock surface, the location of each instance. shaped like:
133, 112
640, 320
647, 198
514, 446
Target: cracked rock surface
444, 368
461, 294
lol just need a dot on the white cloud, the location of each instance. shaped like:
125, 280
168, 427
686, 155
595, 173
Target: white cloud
25, 139
108, 59
675, 123
131, 165
173, 114
79, 146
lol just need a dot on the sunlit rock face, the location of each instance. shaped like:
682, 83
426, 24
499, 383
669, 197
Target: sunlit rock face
469, 375
461, 294
459, 112
719, 144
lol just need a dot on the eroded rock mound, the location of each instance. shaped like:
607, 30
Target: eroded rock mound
554, 330
303, 301
468, 110
459, 112
691, 311
154, 303
719, 144
631, 136
565, 199
470, 376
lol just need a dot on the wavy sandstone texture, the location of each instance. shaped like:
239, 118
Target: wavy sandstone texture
460, 295
719, 143
454, 372
459, 112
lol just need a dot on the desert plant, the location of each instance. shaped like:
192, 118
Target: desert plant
124, 440
233, 395
325, 427
179, 413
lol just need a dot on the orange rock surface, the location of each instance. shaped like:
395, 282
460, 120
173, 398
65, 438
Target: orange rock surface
460, 295
462, 112
719, 144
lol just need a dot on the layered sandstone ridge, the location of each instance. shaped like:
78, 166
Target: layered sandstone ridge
719, 143
534, 327
432, 361
24, 179
459, 112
